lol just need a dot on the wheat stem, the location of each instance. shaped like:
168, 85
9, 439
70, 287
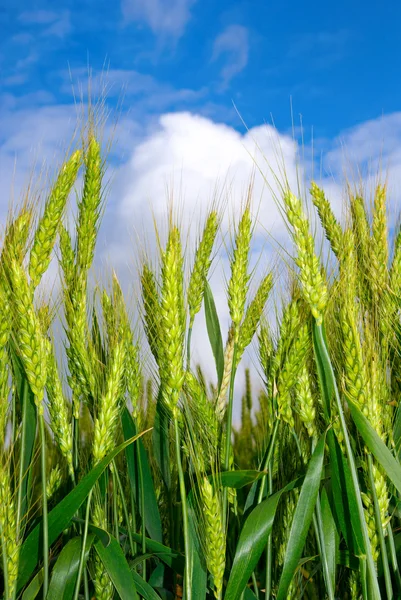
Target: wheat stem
84, 538
22, 475
125, 509
188, 566
44, 508
393, 554
5, 564
229, 424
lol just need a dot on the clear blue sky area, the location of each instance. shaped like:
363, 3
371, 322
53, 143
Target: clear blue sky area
339, 61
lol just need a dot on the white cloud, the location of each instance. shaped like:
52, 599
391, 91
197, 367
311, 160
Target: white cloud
196, 154
192, 157
165, 17
233, 45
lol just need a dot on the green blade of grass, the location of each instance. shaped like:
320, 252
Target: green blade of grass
160, 438
377, 447
302, 518
144, 589
118, 569
344, 503
252, 541
64, 573
214, 333
330, 537
61, 515
28, 435
152, 515
33, 589
239, 479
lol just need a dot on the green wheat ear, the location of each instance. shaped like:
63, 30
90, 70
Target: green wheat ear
151, 309
379, 248
331, 226
253, 315
60, 419
109, 405
289, 374
90, 206
215, 536
239, 280
8, 528
16, 237
197, 282
172, 322
45, 235
31, 343
313, 285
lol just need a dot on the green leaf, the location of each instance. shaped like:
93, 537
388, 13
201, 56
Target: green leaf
134, 454
143, 588
302, 518
327, 378
377, 447
34, 587
118, 569
101, 534
61, 515
249, 595
170, 557
65, 571
161, 448
252, 542
199, 572
28, 427
323, 368
330, 536
344, 503
214, 333
239, 479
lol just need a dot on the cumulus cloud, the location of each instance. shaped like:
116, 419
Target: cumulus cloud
193, 153
233, 45
193, 160
165, 17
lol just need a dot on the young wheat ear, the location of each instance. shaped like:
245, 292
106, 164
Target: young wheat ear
313, 284
379, 248
89, 207
215, 536
31, 342
46, 232
8, 530
196, 287
151, 306
331, 226
238, 284
60, 420
172, 322
289, 374
109, 406
252, 316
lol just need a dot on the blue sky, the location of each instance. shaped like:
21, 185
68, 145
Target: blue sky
340, 62
179, 67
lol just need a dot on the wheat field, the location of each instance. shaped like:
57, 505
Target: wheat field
122, 472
